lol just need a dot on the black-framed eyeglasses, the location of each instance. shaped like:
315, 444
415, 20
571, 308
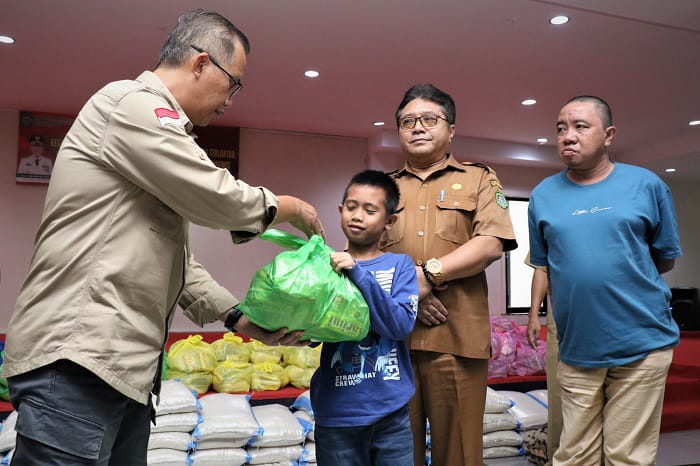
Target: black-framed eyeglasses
235, 84
428, 121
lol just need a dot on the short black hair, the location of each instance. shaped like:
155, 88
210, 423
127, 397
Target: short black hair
381, 180
601, 105
206, 29
432, 94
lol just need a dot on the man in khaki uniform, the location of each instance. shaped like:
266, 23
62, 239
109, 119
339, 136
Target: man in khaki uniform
111, 259
453, 221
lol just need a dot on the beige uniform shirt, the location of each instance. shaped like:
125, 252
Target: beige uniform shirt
111, 258
436, 216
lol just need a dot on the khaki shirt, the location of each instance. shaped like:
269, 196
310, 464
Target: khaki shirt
436, 216
111, 259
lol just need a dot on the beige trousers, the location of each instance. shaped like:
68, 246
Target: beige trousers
613, 413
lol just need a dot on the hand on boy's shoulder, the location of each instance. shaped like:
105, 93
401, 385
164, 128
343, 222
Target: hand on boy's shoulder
342, 261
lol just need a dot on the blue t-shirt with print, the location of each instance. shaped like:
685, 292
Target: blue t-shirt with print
599, 241
359, 383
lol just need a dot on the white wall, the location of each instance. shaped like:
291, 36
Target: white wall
315, 168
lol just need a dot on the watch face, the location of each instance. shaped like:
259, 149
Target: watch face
434, 266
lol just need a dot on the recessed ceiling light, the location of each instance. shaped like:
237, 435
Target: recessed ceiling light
694, 123
670, 170
6, 40
559, 20
378, 123
529, 102
311, 73
542, 140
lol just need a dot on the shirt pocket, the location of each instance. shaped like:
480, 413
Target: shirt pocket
396, 233
453, 219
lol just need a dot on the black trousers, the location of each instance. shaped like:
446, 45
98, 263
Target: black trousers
68, 416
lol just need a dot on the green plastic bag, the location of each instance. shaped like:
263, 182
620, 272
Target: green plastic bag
300, 290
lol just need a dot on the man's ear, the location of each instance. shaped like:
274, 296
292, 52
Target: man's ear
390, 221
609, 135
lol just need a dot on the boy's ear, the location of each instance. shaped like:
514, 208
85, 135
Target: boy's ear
340, 208
390, 221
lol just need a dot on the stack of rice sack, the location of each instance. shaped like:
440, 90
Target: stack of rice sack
281, 438
535, 439
302, 410
227, 426
177, 414
512, 354
501, 436
8, 438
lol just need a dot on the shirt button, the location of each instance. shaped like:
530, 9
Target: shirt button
456, 204
420, 233
425, 185
420, 262
421, 207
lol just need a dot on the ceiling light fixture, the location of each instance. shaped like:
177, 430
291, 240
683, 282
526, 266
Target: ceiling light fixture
542, 140
528, 102
694, 123
6, 40
670, 170
311, 73
378, 123
559, 20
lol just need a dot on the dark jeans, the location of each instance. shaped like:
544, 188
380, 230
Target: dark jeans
68, 416
387, 442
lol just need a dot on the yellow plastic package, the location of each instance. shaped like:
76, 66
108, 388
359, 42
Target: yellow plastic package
191, 355
231, 377
231, 348
267, 376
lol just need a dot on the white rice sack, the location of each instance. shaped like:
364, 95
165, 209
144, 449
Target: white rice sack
166, 457
310, 425
8, 436
262, 455
495, 402
279, 426
502, 421
221, 457
502, 438
176, 422
303, 402
540, 395
308, 454
502, 452
217, 444
181, 441
175, 397
530, 413
226, 417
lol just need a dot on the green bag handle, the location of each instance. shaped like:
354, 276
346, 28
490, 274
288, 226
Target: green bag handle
283, 239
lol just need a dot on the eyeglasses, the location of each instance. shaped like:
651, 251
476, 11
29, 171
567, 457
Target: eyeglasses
235, 84
428, 121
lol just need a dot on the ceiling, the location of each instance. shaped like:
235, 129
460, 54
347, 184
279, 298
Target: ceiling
642, 56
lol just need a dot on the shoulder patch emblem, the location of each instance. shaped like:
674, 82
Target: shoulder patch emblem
501, 200
496, 184
167, 116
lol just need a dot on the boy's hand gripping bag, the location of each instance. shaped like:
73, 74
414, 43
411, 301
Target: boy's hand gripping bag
300, 290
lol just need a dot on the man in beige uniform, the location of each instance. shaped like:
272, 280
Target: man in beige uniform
111, 260
453, 221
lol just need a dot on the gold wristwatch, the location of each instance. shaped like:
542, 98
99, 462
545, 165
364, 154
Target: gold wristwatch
434, 267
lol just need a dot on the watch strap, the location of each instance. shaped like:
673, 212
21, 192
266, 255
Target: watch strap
428, 276
232, 319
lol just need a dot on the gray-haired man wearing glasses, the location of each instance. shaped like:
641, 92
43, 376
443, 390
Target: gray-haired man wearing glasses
111, 260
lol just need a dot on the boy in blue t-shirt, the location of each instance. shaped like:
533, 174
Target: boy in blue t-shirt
361, 390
